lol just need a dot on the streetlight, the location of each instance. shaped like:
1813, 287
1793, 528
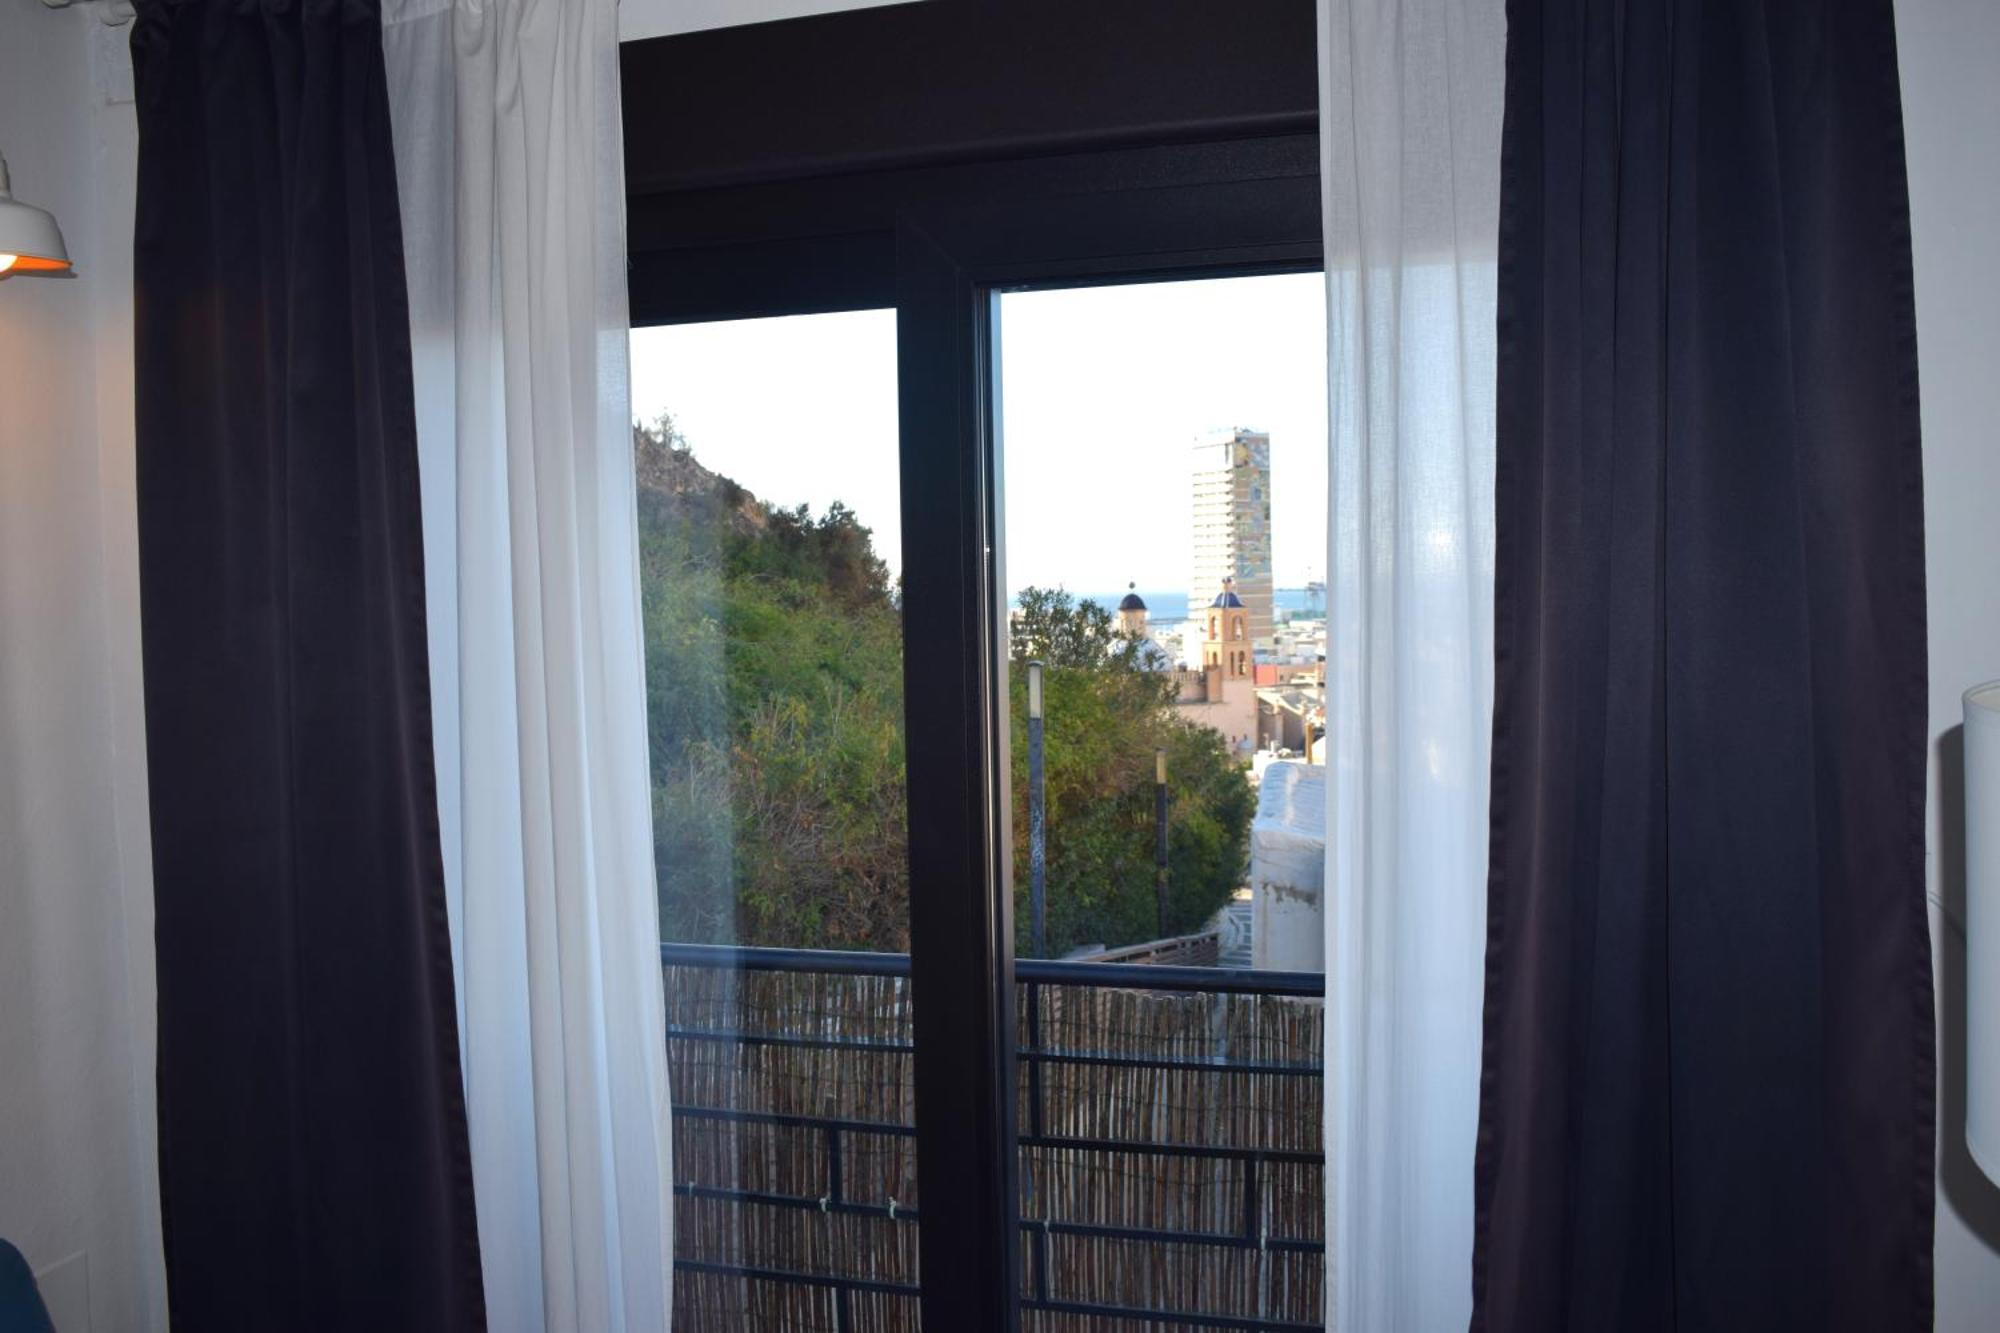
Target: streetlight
1160, 835
1037, 815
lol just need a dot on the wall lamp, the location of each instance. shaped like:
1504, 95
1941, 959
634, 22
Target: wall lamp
30, 241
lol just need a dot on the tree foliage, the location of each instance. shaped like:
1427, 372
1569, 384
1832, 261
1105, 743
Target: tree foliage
775, 702
1105, 716
775, 705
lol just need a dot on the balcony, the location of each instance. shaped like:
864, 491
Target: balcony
1171, 1162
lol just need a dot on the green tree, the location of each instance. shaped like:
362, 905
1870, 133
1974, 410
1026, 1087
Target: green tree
1105, 714
775, 698
1051, 625
774, 673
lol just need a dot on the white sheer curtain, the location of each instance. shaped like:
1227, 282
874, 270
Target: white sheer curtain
511, 171
1410, 100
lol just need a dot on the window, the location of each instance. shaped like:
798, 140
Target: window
1107, 408
1171, 154
770, 530
771, 569
1169, 1133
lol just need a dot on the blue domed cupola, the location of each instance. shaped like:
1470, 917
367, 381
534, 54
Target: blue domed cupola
1132, 612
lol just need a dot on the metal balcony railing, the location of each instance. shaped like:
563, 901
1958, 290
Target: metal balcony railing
1171, 1163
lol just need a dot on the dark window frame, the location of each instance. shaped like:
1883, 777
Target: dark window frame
953, 265
937, 235
766, 165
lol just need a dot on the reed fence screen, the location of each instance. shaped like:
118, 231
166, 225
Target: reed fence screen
1171, 1169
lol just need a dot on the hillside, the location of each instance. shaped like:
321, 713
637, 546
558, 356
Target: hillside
775, 701
675, 488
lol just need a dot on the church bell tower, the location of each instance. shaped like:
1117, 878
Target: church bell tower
1226, 644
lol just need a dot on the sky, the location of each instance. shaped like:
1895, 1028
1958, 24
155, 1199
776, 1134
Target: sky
1103, 392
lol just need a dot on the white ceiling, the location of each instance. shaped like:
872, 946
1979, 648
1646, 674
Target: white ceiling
658, 18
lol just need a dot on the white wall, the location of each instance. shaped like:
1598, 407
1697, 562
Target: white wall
658, 18
78, 1192
1950, 51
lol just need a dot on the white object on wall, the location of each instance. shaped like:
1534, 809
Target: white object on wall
1982, 926
1288, 869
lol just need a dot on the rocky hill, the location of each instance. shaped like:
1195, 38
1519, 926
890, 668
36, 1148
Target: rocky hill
675, 488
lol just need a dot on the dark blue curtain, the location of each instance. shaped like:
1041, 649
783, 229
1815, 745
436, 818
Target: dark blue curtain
313, 1161
1707, 1092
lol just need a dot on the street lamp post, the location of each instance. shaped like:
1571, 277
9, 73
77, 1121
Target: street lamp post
1160, 835
1037, 815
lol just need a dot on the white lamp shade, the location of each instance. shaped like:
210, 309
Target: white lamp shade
1982, 926
30, 241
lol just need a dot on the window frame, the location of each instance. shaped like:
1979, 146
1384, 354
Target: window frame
952, 265
938, 241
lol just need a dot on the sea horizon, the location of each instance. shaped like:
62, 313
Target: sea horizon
1170, 606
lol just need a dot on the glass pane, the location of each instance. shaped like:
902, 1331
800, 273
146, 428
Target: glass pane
1163, 454
769, 516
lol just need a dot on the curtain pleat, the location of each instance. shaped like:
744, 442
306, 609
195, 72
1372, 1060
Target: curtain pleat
1707, 1088
313, 1153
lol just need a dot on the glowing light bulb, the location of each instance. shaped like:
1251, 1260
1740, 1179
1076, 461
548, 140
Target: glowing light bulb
7, 262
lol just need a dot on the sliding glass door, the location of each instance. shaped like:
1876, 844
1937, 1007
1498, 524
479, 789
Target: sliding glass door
977, 629
1127, 1122
1162, 458
769, 514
